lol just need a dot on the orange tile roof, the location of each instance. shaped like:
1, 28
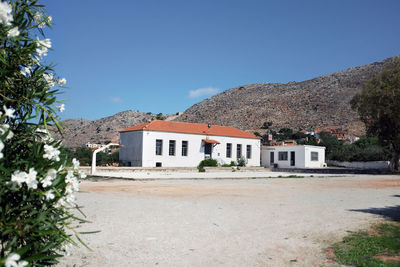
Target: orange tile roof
209, 141
190, 128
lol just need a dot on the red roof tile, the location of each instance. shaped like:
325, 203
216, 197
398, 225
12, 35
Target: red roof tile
209, 141
190, 128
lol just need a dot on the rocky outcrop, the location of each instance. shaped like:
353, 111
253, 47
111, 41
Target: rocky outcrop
320, 102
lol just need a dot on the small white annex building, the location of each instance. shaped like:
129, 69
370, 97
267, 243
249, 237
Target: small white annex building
297, 156
178, 144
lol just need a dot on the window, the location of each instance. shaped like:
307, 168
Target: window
228, 150
282, 156
314, 156
158, 147
185, 148
248, 152
172, 147
238, 150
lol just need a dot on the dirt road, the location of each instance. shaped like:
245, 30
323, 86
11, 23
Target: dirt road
255, 222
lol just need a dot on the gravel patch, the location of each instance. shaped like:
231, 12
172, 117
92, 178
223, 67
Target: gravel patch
255, 222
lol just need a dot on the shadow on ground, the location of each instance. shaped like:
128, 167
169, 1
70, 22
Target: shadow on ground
390, 213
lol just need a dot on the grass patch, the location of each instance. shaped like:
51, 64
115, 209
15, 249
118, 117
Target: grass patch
379, 246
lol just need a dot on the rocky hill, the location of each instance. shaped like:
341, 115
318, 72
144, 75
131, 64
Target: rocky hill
80, 131
320, 102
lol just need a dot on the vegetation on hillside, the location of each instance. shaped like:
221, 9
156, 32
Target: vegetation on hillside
364, 149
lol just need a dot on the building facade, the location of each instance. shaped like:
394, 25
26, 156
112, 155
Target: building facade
297, 156
178, 144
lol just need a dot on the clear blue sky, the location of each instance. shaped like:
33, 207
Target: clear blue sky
149, 55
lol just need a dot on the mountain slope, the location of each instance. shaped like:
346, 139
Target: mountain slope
322, 101
80, 131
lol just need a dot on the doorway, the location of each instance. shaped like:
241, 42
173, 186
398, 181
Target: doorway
292, 158
271, 158
207, 151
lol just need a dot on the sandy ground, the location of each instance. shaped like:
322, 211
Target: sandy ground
254, 222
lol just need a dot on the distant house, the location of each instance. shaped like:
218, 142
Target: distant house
294, 156
178, 144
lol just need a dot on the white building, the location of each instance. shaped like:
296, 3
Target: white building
178, 144
298, 156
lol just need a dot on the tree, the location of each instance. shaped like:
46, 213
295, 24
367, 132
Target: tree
266, 125
378, 105
37, 184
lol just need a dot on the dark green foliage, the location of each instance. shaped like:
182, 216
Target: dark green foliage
84, 155
257, 134
207, 163
241, 162
160, 116
359, 249
365, 149
378, 106
266, 125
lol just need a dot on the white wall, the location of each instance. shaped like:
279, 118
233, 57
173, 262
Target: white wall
302, 156
131, 152
361, 164
195, 150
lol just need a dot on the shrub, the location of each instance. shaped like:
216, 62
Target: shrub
207, 163
38, 185
241, 162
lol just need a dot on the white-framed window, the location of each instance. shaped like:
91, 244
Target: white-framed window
282, 155
228, 150
248, 151
238, 150
314, 156
159, 147
172, 145
185, 148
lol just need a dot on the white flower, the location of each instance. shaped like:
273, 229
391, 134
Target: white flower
61, 203
70, 198
61, 108
48, 180
9, 112
49, 77
62, 82
1, 148
18, 177
49, 195
4, 128
13, 260
26, 71
13, 32
51, 153
82, 175
76, 163
43, 46
31, 181
5, 13
40, 21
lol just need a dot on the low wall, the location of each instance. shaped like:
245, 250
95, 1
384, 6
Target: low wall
360, 164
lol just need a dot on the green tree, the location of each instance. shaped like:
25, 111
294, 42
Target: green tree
378, 105
160, 116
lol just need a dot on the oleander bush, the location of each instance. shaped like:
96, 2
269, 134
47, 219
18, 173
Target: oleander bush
38, 212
